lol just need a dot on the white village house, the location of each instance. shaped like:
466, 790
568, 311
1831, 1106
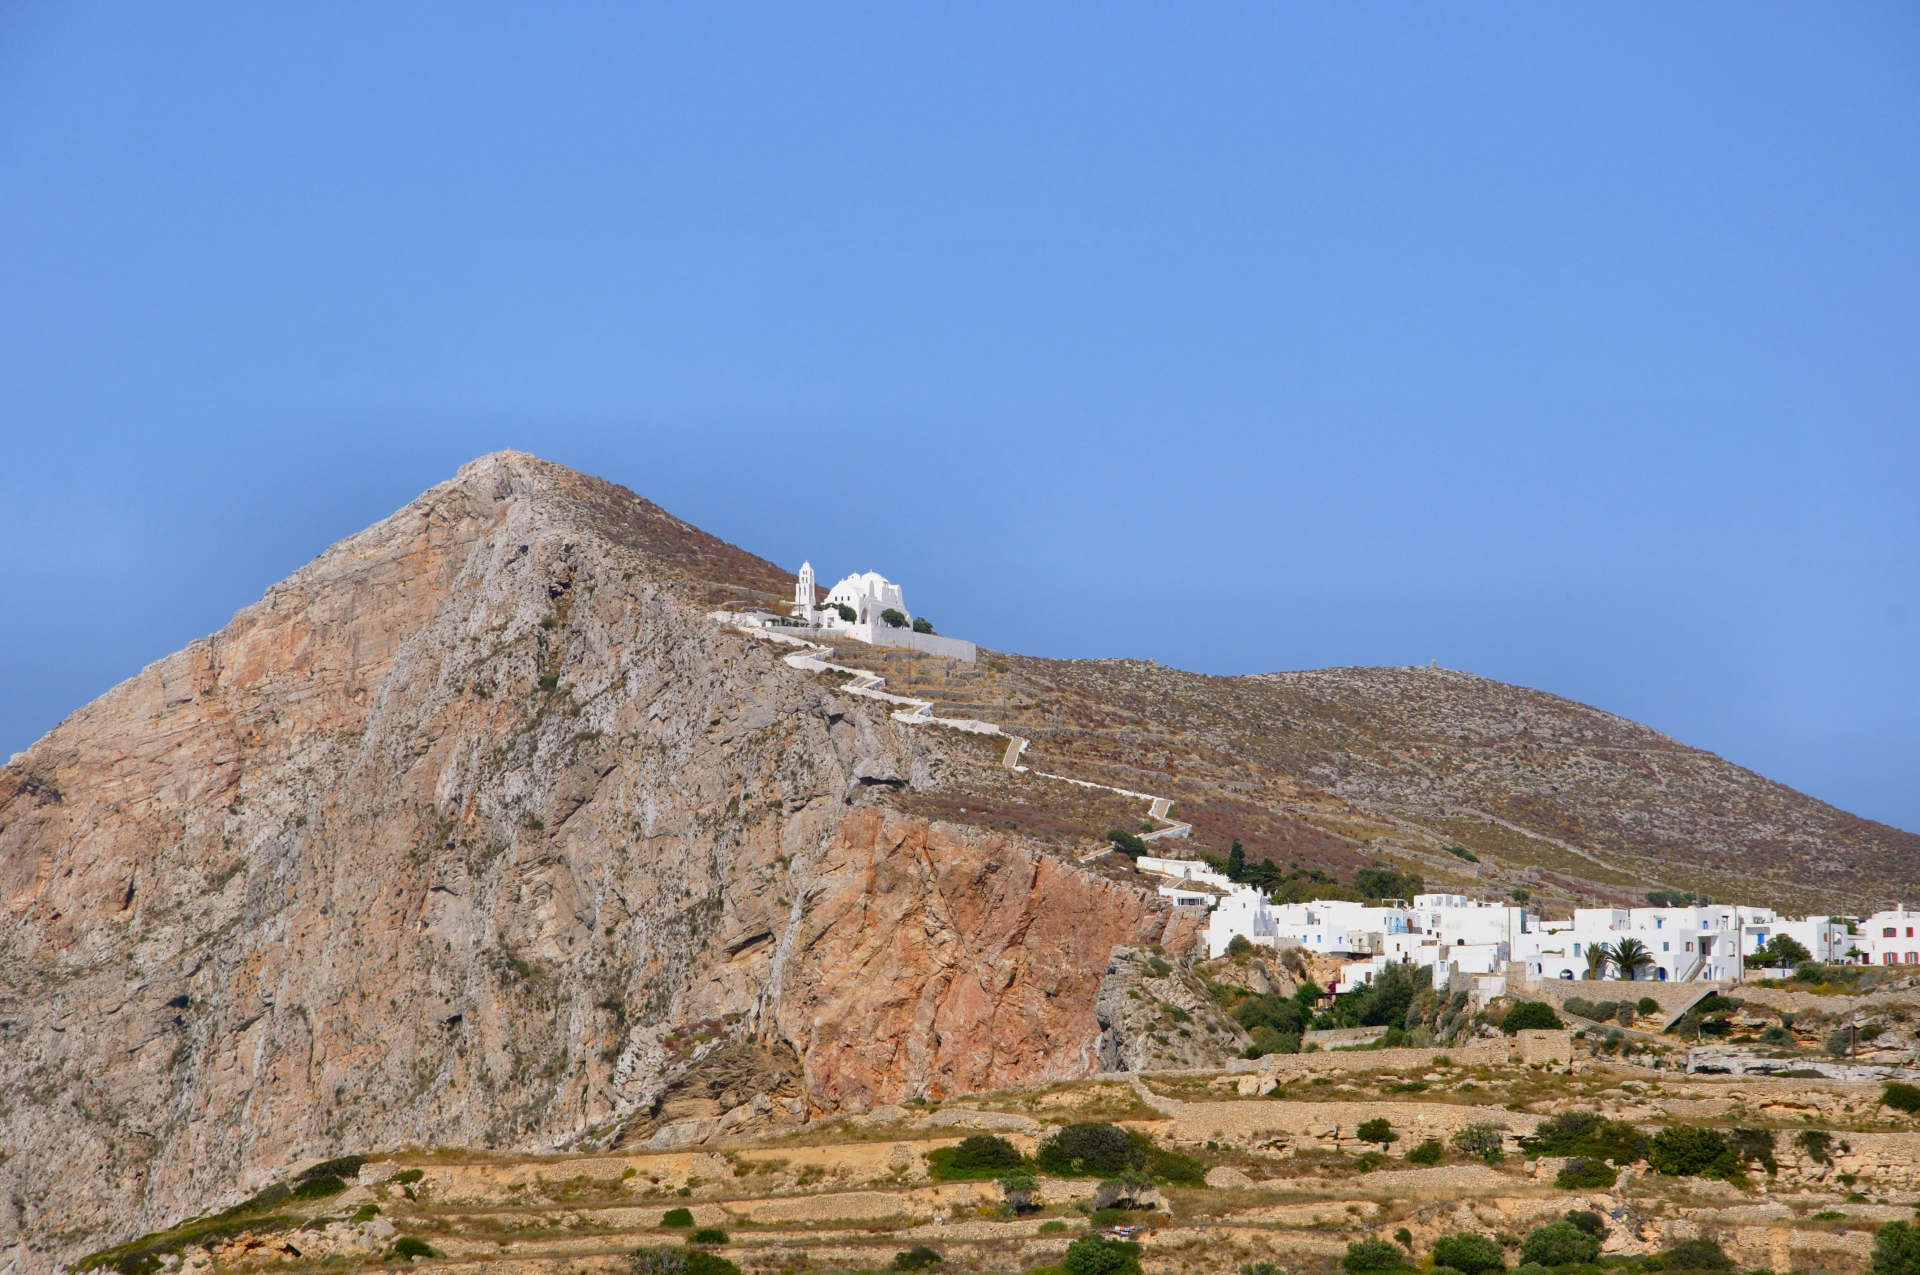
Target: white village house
1890, 938
1454, 935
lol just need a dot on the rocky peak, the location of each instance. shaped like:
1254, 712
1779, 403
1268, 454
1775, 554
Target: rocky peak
478, 830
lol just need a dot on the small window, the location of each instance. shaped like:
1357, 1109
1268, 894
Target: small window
1887, 933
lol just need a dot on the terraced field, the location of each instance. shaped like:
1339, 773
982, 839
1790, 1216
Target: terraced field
1288, 1179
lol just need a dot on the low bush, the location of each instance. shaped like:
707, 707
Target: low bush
1482, 1140
1690, 1255
1688, 1151
1374, 1255
1529, 1015
1377, 1130
408, 1247
1586, 1175
1100, 1150
1428, 1152
319, 1188
976, 1157
1584, 1133
1817, 1144
917, 1258
1589, 1221
407, 1177
1896, 1249
1558, 1244
1901, 1096
1100, 1255
1469, 1253
679, 1261
1648, 1005
677, 1217
708, 1235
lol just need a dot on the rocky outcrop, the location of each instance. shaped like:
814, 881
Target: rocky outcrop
1155, 1014
477, 830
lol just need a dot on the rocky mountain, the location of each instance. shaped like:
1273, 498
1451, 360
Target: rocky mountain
479, 830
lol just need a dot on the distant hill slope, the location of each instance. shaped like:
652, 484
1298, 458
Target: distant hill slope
1335, 767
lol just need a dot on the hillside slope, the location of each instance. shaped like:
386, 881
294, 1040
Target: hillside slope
1335, 768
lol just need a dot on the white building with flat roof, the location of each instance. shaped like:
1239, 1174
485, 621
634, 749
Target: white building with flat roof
1891, 937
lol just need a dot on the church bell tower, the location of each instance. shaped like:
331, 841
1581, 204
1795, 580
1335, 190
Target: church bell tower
803, 594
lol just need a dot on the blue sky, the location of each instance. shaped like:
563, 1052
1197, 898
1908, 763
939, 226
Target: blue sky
1574, 346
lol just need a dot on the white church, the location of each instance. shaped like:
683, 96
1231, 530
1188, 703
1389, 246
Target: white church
878, 608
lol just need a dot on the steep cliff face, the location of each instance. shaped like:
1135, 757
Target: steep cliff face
477, 830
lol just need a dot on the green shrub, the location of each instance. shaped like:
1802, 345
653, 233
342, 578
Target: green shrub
1428, 1152
1584, 1133
679, 1261
1896, 1249
1688, 1151
1469, 1253
1580, 1174
1648, 1005
1377, 1130
708, 1235
1094, 1149
366, 1212
1387, 883
318, 1188
1558, 1244
921, 624
407, 1177
1530, 1015
1817, 1143
917, 1258
1374, 1255
1690, 1255
1172, 1166
1531, 1268
1239, 945
1901, 1096
1128, 844
1268, 1041
1100, 1255
1482, 1140
894, 619
1051, 1228
408, 1247
979, 1156
1589, 1221
677, 1217
1753, 1144
1461, 852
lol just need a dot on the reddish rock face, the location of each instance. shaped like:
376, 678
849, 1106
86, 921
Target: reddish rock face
935, 962
478, 831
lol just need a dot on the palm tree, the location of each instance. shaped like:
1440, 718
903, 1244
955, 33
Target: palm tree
1599, 957
1632, 956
